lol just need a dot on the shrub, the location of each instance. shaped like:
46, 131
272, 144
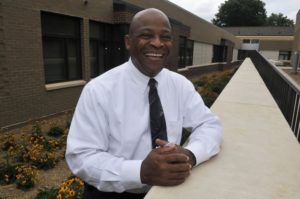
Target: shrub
25, 176
185, 135
40, 157
36, 129
208, 96
22, 153
7, 174
39, 152
9, 142
7, 170
46, 193
55, 132
211, 87
64, 137
72, 188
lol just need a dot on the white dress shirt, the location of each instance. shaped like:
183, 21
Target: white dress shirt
110, 132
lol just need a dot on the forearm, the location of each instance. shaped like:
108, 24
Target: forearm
205, 141
105, 171
206, 136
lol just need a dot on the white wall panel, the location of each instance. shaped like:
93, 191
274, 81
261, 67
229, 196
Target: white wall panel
235, 54
203, 53
270, 54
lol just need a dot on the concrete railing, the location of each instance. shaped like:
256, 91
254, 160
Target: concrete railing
285, 91
260, 156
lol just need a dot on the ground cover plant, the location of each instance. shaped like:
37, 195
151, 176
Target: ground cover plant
22, 157
210, 86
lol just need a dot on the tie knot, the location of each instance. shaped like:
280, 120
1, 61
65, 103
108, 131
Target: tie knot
152, 82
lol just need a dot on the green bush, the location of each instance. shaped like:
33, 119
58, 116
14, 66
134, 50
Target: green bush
210, 87
9, 142
25, 176
36, 129
208, 96
46, 193
7, 174
185, 135
55, 132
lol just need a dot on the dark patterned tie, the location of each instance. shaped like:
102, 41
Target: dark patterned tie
157, 118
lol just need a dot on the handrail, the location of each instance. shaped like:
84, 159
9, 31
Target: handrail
284, 89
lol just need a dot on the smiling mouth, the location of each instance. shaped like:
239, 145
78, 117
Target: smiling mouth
154, 55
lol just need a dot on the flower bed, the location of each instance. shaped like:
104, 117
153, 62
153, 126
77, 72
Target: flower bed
23, 156
211, 86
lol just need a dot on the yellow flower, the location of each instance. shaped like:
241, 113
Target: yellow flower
72, 193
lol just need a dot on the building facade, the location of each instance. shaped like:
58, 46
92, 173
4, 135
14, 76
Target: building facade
275, 43
296, 46
50, 49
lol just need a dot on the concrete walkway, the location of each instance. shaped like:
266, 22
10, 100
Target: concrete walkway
260, 157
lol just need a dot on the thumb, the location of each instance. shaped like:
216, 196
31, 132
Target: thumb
161, 143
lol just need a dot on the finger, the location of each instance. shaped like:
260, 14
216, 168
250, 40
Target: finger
165, 150
178, 168
178, 176
175, 158
161, 143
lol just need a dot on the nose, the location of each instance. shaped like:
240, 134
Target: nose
156, 42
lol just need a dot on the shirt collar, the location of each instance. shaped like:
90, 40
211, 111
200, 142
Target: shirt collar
142, 80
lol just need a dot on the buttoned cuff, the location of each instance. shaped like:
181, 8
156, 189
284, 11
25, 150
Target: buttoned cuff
198, 152
131, 174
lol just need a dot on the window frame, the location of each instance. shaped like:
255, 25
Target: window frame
66, 40
186, 52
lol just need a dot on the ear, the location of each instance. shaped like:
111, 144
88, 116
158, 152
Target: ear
127, 42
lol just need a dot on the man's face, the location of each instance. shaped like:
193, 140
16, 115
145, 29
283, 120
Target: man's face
150, 43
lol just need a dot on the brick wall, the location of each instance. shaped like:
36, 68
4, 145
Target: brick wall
23, 95
4, 83
123, 17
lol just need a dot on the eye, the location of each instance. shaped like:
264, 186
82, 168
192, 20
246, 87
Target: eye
166, 37
145, 35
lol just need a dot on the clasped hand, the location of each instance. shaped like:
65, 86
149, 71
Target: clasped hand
167, 165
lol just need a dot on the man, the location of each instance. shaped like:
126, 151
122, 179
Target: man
113, 143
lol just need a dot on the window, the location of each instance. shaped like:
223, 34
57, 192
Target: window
284, 55
219, 53
189, 52
107, 48
252, 41
97, 49
61, 47
186, 50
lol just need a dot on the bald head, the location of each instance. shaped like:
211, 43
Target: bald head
149, 41
143, 15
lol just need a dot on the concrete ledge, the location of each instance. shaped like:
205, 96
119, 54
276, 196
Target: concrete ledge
196, 70
260, 157
61, 85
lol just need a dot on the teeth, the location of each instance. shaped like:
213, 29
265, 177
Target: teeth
153, 55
